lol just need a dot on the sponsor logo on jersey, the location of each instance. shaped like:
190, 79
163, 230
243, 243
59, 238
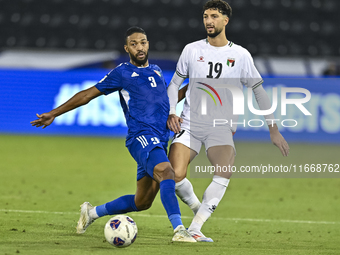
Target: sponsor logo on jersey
134, 74
201, 59
158, 73
231, 62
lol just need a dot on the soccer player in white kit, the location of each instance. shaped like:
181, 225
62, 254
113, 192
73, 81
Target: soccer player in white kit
208, 63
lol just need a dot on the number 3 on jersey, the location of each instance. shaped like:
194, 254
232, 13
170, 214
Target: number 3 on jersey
153, 82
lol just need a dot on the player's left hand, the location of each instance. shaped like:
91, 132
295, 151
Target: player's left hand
174, 123
279, 141
44, 120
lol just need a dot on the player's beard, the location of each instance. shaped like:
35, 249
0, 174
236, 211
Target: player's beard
216, 33
137, 61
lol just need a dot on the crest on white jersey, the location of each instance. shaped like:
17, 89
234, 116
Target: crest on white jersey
231, 62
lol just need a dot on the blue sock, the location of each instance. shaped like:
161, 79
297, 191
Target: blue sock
120, 205
170, 202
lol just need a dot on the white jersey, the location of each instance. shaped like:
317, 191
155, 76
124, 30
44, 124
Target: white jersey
210, 69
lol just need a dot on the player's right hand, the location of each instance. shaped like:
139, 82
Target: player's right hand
174, 123
44, 120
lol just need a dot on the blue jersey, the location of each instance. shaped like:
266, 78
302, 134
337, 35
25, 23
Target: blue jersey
143, 97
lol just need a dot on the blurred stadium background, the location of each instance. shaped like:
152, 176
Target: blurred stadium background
50, 49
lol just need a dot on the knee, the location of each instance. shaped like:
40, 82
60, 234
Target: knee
179, 176
144, 206
163, 172
168, 173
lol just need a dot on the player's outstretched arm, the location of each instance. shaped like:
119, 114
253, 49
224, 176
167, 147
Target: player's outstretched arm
278, 140
79, 99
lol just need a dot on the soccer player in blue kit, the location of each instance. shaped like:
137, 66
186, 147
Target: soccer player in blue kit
143, 96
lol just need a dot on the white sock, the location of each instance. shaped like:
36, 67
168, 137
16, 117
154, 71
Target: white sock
93, 213
185, 192
211, 198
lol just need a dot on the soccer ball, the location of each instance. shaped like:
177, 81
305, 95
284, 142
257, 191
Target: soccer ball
120, 231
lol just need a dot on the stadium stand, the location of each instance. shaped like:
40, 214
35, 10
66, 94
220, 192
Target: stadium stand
304, 31
265, 27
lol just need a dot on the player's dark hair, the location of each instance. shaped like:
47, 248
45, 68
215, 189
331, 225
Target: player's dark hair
221, 6
133, 30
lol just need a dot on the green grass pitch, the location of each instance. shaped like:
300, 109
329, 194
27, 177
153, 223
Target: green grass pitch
45, 179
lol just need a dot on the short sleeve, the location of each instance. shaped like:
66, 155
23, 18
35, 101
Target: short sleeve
161, 74
111, 82
250, 77
182, 69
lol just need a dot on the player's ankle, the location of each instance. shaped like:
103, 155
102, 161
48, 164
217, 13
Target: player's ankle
93, 213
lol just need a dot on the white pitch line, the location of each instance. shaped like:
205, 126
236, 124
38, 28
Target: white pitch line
251, 220
26, 211
188, 217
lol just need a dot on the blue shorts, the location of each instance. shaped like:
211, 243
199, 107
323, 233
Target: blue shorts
148, 151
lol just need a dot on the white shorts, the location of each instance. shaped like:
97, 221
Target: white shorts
208, 137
